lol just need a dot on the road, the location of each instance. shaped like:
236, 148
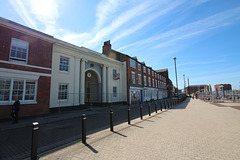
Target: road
16, 143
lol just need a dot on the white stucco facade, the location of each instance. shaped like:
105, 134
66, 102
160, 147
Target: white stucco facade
85, 76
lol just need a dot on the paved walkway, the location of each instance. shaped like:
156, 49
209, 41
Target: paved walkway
194, 130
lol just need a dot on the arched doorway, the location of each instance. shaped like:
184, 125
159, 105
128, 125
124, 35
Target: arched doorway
91, 86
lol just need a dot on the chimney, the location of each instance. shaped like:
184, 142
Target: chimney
106, 48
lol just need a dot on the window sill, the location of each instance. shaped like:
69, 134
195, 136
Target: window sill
21, 102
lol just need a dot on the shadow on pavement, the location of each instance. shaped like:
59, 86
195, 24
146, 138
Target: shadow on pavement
182, 105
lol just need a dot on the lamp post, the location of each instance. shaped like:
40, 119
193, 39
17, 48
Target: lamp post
174, 58
184, 83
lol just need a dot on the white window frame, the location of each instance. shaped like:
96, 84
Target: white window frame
139, 79
63, 92
149, 71
149, 81
144, 69
114, 93
156, 83
153, 73
64, 65
132, 63
133, 78
145, 81
22, 99
17, 59
139, 66
153, 82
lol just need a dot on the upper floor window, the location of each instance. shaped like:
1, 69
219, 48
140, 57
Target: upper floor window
145, 81
144, 69
152, 73
132, 63
133, 78
153, 82
64, 64
149, 81
19, 50
139, 66
139, 79
148, 71
156, 83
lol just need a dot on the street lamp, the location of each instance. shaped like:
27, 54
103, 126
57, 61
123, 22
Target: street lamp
174, 58
184, 83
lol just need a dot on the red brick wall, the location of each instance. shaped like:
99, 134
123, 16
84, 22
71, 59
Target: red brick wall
39, 54
39, 51
42, 106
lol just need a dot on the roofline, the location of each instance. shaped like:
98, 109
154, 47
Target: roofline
26, 30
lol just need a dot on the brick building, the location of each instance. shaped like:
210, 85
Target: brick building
164, 73
143, 83
198, 88
225, 87
25, 69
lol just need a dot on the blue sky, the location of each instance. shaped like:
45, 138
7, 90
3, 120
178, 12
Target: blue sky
204, 35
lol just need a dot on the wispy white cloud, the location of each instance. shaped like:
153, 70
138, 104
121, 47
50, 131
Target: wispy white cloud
105, 10
190, 30
38, 13
122, 19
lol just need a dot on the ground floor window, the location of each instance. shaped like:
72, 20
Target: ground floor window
63, 91
24, 90
135, 95
114, 91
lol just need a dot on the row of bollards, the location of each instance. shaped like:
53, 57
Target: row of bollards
167, 103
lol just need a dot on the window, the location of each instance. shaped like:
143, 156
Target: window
132, 63
156, 83
24, 90
17, 89
145, 81
30, 90
153, 82
62, 92
139, 66
149, 81
64, 64
144, 69
152, 73
114, 74
148, 71
5, 85
19, 50
133, 78
139, 79
114, 91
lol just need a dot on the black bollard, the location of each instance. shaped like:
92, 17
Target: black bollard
129, 116
149, 109
84, 128
141, 111
160, 105
34, 141
111, 120
156, 107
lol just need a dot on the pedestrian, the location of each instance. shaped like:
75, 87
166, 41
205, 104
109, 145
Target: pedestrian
15, 110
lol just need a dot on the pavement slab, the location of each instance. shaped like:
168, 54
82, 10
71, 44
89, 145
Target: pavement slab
192, 130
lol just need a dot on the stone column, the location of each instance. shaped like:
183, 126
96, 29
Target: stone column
104, 82
76, 80
109, 86
82, 81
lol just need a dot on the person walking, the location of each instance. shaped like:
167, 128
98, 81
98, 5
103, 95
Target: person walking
15, 110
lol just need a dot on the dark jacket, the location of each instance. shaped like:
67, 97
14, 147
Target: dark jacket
16, 106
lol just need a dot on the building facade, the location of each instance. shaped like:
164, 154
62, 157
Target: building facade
224, 86
25, 69
143, 83
81, 76
192, 89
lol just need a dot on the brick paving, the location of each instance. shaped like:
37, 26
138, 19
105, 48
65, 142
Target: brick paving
192, 130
